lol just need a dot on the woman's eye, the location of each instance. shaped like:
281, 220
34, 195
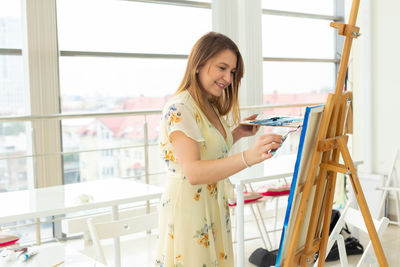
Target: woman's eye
222, 68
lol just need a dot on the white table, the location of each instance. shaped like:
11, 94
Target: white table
52, 254
56, 200
272, 169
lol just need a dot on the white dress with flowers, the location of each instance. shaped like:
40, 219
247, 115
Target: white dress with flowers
194, 226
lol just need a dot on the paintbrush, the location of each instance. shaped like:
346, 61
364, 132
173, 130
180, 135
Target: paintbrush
273, 151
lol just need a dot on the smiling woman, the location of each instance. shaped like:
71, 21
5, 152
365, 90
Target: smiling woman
195, 139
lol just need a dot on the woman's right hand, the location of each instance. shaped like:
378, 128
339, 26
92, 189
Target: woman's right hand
261, 149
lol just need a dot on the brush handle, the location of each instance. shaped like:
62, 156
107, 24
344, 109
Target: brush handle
273, 151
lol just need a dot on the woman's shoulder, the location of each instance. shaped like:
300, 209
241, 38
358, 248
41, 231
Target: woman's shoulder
181, 100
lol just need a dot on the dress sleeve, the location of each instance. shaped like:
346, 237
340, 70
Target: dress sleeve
178, 117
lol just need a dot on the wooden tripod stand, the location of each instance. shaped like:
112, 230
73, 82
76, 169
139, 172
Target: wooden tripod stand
330, 144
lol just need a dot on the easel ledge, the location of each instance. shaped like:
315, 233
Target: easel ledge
330, 144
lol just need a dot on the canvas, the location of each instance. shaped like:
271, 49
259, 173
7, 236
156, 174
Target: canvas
312, 119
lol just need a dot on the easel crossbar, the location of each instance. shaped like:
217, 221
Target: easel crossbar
329, 143
335, 167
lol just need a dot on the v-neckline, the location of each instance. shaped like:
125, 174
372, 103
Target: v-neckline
208, 120
219, 119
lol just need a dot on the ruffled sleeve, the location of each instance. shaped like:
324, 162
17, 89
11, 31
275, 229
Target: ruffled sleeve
179, 117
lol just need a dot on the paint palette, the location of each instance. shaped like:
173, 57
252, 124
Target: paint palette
282, 121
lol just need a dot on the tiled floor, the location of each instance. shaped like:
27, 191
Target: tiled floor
140, 250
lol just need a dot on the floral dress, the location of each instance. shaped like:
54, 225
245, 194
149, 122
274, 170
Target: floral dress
194, 226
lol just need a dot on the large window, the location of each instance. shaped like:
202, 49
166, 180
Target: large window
16, 164
120, 56
299, 55
14, 100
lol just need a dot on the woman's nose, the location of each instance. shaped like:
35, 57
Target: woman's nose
228, 77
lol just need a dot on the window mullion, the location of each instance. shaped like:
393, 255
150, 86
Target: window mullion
40, 55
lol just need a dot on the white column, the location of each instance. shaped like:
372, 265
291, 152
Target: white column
250, 45
367, 88
225, 18
40, 55
241, 21
363, 105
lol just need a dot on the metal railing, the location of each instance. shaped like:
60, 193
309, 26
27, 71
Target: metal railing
146, 144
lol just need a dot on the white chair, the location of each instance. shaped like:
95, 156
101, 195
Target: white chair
258, 214
392, 185
255, 199
354, 218
115, 229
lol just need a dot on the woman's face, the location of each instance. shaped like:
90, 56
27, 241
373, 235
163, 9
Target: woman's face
217, 74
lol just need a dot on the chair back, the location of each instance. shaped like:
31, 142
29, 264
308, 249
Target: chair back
355, 218
113, 229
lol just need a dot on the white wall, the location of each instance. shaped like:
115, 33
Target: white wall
385, 83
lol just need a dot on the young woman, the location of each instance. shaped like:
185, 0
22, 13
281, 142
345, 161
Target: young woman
195, 139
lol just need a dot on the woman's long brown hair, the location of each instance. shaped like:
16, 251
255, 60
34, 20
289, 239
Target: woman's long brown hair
207, 47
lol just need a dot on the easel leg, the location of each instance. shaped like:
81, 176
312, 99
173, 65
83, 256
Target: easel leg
315, 215
362, 203
325, 185
327, 217
331, 186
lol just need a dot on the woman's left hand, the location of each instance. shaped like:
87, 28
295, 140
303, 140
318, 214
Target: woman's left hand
245, 130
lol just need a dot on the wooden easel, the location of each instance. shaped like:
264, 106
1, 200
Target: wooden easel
330, 144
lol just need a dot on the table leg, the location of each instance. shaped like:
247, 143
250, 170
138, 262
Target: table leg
117, 249
240, 225
38, 234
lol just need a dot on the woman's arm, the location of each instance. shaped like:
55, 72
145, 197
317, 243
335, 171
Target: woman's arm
199, 171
